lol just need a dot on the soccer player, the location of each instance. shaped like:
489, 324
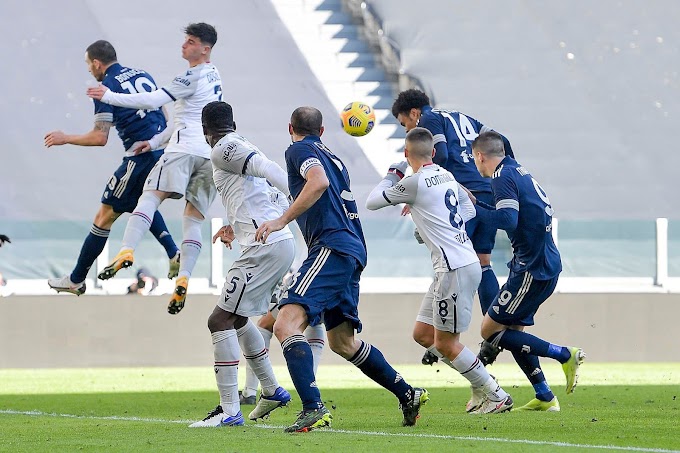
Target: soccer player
253, 189
453, 134
440, 209
125, 186
522, 208
185, 169
316, 337
327, 283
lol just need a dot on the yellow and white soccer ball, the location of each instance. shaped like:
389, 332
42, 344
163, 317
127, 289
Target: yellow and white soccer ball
357, 119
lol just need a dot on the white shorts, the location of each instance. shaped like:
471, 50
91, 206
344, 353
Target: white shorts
448, 303
184, 175
254, 276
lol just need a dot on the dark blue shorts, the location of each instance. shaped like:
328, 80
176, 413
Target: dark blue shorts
327, 287
126, 184
482, 235
518, 300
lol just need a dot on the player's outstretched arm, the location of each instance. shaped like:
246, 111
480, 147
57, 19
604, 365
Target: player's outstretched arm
3, 239
314, 188
98, 136
150, 100
393, 190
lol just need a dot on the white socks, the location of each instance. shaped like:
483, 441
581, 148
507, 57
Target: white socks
252, 382
316, 337
257, 356
140, 220
191, 245
469, 366
226, 350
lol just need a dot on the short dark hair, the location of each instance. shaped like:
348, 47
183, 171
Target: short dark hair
306, 121
490, 144
218, 117
205, 32
103, 51
409, 99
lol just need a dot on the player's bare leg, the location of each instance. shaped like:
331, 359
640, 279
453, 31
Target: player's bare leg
372, 363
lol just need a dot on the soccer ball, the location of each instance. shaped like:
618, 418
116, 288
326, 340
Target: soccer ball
357, 119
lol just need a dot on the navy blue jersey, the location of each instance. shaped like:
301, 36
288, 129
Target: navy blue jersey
534, 250
456, 131
132, 125
333, 221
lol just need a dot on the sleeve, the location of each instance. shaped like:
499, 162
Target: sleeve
260, 166
183, 86
103, 112
467, 209
159, 140
387, 194
230, 156
302, 157
150, 100
506, 214
441, 155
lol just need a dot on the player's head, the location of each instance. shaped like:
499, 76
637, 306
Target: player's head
407, 107
306, 121
217, 118
488, 150
99, 56
419, 147
198, 43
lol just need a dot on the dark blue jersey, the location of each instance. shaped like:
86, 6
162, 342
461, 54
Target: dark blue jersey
534, 250
453, 135
333, 221
132, 125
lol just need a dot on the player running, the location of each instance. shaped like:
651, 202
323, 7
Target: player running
441, 209
327, 284
185, 169
253, 189
453, 134
523, 210
125, 186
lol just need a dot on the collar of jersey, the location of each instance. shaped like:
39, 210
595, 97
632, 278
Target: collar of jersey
312, 138
111, 68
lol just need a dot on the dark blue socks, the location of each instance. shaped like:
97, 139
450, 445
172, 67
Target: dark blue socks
92, 247
373, 364
300, 363
160, 232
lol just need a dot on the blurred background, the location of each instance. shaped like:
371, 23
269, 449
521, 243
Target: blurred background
587, 93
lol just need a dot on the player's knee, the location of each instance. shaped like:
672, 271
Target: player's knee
218, 320
423, 336
345, 348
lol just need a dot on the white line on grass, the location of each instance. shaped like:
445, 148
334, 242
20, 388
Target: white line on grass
365, 433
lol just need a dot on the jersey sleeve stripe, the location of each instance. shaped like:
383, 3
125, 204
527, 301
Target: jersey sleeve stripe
104, 117
385, 197
245, 162
168, 93
508, 203
439, 138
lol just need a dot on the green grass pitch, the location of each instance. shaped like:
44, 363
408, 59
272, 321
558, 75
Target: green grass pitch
619, 407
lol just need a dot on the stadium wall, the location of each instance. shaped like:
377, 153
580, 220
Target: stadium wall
119, 331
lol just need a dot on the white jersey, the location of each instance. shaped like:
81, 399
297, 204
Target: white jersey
439, 207
191, 91
253, 188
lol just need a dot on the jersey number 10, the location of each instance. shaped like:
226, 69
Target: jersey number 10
141, 84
